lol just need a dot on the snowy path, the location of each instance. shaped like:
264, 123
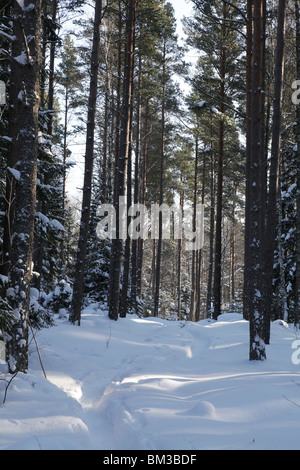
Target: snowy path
152, 384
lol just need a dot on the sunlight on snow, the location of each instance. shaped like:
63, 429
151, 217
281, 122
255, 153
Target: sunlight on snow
66, 384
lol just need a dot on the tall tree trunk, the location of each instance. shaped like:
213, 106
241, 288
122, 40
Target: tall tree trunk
211, 237
247, 273
219, 215
142, 198
254, 196
88, 172
24, 103
39, 248
218, 240
179, 264
297, 130
161, 186
194, 261
198, 282
126, 264
233, 260
136, 189
118, 105
117, 244
269, 248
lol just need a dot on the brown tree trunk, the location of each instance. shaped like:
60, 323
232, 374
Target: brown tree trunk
126, 264
136, 188
247, 274
274, 169
254, 196
24, 103
161, 187
218, 247
117, 244
194, 257
297, 311
211, 237
88, 172
179, 264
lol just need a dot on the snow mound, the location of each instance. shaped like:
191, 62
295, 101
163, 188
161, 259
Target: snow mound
153, 384
202, 408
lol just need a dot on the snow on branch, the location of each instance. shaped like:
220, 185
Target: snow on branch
8, 36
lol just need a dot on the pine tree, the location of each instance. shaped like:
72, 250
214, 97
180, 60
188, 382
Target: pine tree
24, 101
213, 31
254, 196
88, 177
297, 309
271, 213
122, 159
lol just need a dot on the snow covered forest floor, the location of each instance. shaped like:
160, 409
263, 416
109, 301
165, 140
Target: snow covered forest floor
152, 384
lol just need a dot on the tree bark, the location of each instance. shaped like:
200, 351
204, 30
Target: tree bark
194, 263
211, 237
136, 187
247, 274
254, 196
88, 172
271, 218
117, 244
24, 104
218, 241
161, 186
126, 264
297, 130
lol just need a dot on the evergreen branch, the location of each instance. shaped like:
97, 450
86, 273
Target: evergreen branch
237, 9
244, 116
8, 36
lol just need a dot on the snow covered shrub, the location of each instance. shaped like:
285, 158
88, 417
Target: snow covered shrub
97, 270
3, 286
6, 312
285, 261
39, 316
6, 316
59, 301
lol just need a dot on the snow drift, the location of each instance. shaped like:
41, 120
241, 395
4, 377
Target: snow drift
152, 384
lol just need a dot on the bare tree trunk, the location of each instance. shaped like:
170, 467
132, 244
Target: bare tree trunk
161, 187
211, 237
254, 196
24, 103
88, 172
194, 261
218, 241
219, 215
51, 73
126, 264
247, 274
274, 169
179, 263
117, 244
297, 311
233, 253
198, 290
136, 188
